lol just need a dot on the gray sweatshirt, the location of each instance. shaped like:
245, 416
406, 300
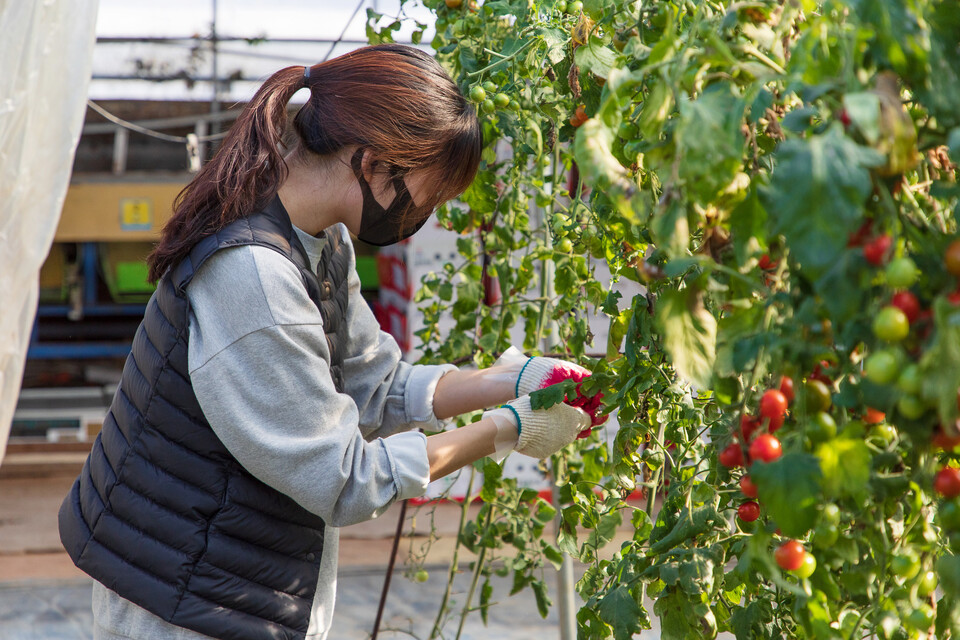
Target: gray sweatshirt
259, 365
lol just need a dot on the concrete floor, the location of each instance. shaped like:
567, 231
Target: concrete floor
44, 597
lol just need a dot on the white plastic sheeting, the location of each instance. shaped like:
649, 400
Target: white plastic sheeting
45, 62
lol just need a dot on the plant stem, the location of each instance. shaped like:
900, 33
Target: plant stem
435, 631
477, 571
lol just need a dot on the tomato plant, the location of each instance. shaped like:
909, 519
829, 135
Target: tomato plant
768, 172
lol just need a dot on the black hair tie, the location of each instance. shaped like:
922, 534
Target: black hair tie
306, 75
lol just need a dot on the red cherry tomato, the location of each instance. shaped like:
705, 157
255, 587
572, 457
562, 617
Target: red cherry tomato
765, 448
941, 440
790, 555
767, 263
857, 238
748, 511
748, 426
786, 388
873, 416
732, 456
947, 482
747, 487
773, 407
818, 373
908, 303
876, 250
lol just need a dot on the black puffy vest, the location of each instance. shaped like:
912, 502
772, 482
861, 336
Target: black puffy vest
162, 514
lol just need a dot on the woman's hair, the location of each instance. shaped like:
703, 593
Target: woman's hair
394, 99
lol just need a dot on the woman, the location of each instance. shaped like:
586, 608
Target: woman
261, 407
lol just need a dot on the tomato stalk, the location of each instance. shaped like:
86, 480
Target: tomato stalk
454, 561
477, 571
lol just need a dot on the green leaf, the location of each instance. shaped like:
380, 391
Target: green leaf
492, 472
940, 364
789, 487
753, 621
543, 600
556, 41
816, 196
481, 195
620, 611
845, 464
948, 570
710, 141
748, 222
864, 110
595, 58
689, 334
554, 394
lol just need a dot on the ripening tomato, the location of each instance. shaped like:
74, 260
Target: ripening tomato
732, 456
747, 487
816, 396
786, 388
790, 555
876, 250
748, 511
873, 416
453, 4
766, 448
951, 259
908, 303
947, 482
819, 373
807, 566
891, 324
773, 407
748, 426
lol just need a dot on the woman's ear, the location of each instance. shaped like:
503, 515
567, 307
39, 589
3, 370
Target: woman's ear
369, 165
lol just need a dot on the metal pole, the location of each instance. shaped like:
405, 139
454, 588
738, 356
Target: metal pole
215, 104
566, 608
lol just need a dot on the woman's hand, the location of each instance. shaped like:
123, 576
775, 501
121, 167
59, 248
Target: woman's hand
540, 432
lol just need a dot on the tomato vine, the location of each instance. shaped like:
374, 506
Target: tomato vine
780, 177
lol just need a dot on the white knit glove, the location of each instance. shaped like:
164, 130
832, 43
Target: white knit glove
529, 374
538, 373
542, 432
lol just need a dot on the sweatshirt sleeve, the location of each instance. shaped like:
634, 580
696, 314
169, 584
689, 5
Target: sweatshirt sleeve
259, 365
392, 395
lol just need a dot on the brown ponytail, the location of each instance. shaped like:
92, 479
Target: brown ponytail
395, 99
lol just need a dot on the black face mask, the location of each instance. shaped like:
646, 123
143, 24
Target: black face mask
381, 226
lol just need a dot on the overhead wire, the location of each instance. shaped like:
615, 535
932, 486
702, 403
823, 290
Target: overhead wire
133, 126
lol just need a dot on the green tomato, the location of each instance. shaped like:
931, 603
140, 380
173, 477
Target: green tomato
902, 273
891, 324
921, 618
807, 568
489, 86
905, 564
830, 514
628, 130
487, 106
822, 427
565, 246
561, 6
882, 367
574, 7
911, 406
421, 576
559, 225
910, 380
478, 94
927, 584
883, 434
501, 100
